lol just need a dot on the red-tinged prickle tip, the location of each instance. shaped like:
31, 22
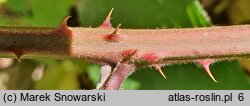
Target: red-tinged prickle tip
158, 68
107, 23
205, 64
64, 26
114, 37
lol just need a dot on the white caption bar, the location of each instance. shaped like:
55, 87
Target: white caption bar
125, 97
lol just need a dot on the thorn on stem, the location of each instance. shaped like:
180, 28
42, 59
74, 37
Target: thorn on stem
64, 22
19, 54
64, 26
18, 57
113, 37
107, 23
116, 29
205, 64
127, 55
158, 68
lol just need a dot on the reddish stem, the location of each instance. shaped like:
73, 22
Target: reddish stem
168, 45
132, 47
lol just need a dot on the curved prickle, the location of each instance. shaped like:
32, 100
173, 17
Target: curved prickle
64, 27
205, 64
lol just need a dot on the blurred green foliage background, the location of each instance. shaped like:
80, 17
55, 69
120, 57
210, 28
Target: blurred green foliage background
46, 73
